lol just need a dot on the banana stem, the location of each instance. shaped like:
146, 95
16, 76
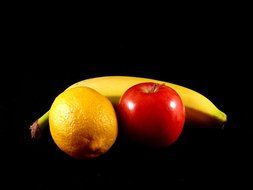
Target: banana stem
38, 126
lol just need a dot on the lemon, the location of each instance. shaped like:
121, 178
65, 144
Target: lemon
83, 123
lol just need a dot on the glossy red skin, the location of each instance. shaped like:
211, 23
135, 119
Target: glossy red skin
150, 117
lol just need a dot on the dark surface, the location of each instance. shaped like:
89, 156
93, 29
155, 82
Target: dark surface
211, 61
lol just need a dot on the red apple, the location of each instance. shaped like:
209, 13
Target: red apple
152, 114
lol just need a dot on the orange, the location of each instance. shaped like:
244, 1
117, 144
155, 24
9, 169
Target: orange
83, 123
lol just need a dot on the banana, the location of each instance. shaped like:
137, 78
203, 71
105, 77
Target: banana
200, 111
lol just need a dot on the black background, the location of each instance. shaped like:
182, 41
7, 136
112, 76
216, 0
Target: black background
209, 56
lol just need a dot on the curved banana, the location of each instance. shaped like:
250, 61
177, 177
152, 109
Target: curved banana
199, 109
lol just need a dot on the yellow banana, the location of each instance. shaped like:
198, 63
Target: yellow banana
199, 109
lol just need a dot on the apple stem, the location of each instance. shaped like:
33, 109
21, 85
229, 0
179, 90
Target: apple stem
154, 88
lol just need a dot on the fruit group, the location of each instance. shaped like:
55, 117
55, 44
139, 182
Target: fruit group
152, 114
83, 123
200, 111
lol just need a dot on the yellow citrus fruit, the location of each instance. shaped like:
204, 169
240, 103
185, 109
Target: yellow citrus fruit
83, 123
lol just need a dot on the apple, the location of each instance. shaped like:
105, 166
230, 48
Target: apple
152, 114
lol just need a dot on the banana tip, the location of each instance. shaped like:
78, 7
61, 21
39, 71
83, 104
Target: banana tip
223, 120
35, 130
224, 117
